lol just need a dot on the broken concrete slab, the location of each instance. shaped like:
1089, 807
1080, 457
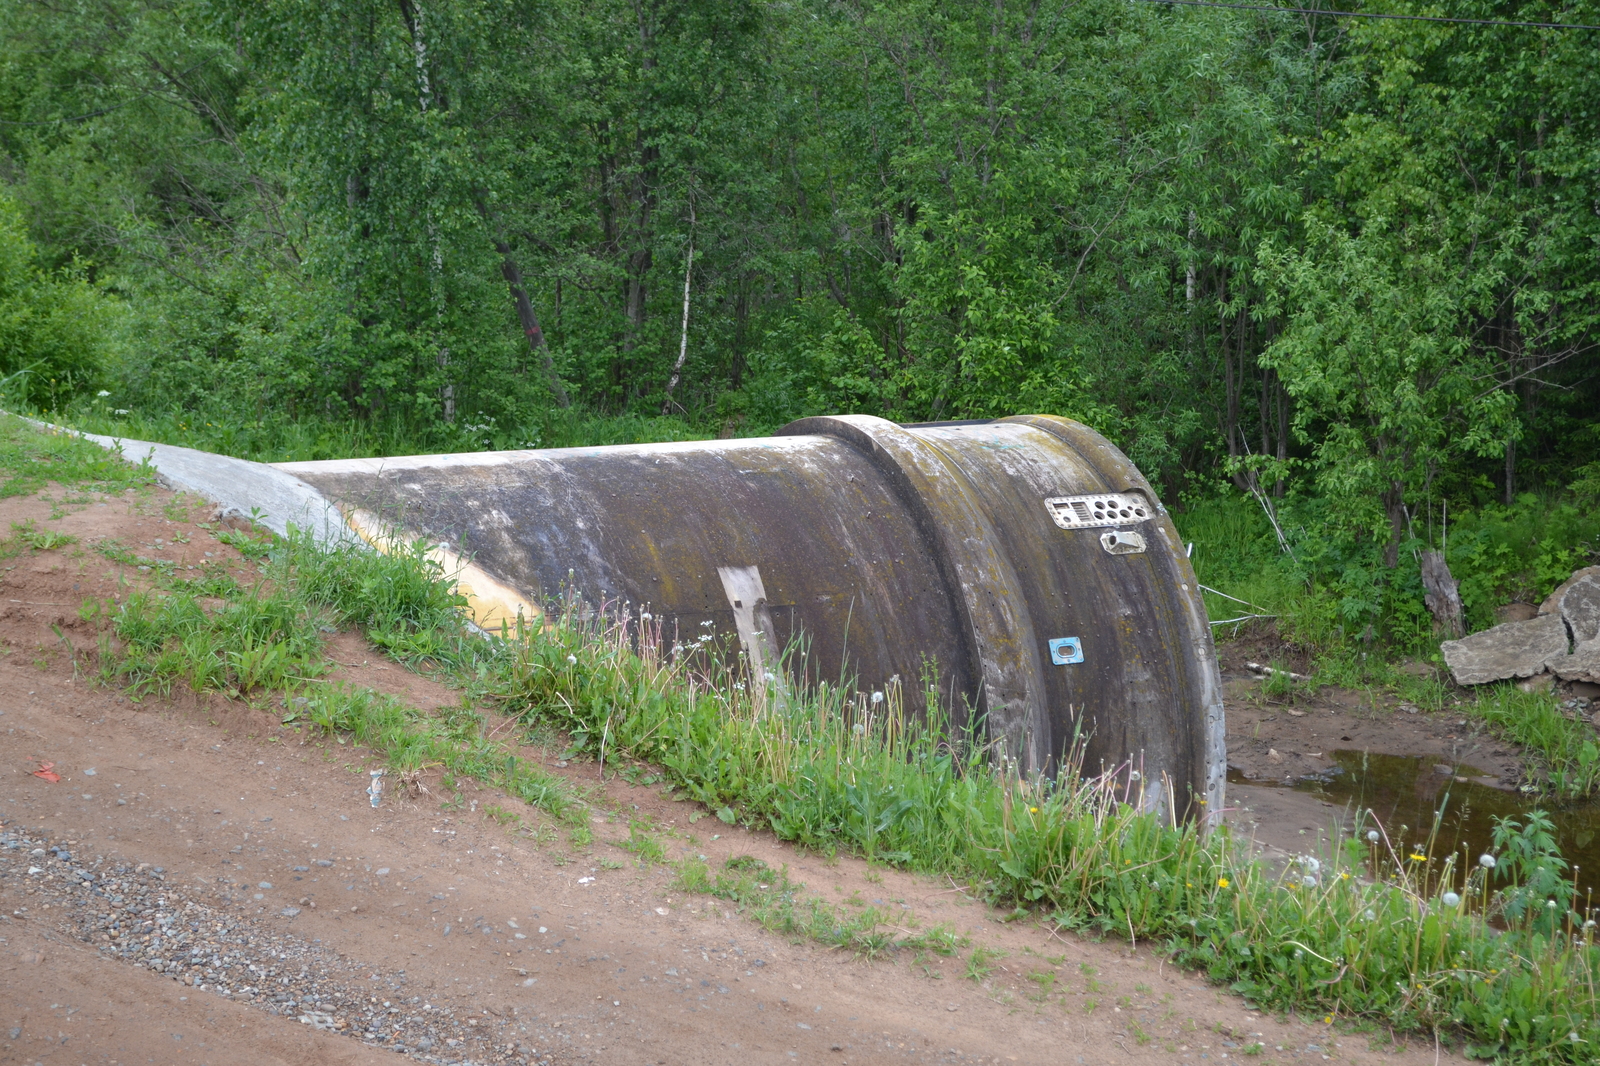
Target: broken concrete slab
1577, 602
1515, 649
1582, 665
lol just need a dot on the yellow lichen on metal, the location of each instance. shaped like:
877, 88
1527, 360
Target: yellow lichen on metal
492, 604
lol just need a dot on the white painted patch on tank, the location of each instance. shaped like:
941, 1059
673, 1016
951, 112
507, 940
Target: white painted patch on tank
491, 603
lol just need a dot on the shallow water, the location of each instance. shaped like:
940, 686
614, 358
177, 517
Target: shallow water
1406, 790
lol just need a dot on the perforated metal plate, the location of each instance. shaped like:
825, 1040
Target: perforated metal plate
1098, 509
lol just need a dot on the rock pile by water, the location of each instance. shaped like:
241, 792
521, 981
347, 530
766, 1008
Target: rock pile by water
1562, 640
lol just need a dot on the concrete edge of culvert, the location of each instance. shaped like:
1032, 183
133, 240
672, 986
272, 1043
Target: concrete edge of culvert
239, 487
276, 500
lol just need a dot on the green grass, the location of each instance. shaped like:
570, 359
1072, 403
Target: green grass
31, 459
770, 898
1368, 936
1534, 721
213, 634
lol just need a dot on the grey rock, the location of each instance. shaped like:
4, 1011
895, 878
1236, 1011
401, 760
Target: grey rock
1515, 649
289, 912
1582, 665
1577, 601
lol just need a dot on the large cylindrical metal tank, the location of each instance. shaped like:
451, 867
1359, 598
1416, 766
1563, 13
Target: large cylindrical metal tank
1025, 560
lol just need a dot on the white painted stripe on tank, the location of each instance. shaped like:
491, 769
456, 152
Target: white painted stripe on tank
458, 460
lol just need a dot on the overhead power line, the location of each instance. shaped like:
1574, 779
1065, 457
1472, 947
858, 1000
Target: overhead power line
1377, 15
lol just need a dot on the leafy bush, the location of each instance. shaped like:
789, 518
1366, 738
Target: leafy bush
1520, 552
52, 325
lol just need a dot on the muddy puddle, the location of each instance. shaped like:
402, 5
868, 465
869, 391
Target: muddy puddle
1407, 791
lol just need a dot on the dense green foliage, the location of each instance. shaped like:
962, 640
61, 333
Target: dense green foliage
1348, 265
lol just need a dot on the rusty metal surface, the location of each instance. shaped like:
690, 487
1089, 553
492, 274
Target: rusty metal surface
890, 549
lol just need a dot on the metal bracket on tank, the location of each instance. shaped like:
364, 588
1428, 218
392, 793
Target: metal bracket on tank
1064, 651
1122, 543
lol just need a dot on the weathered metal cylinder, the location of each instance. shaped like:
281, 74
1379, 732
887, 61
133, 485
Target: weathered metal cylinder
1025, 562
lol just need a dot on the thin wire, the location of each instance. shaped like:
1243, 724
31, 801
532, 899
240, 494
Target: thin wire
1376, 15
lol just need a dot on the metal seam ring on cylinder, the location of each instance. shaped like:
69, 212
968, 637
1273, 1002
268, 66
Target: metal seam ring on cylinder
982, 583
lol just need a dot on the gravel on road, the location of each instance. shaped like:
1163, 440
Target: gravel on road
192, 933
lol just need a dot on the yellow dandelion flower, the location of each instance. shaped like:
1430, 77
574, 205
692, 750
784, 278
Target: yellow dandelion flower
1417, 856
1223, 882
1033, 810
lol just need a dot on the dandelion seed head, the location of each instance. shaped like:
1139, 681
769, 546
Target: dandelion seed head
1450, 899
1486, 861
1372, 835
877, 698
572, 660
102, 394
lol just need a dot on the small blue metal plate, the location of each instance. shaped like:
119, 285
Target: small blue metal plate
1066, 650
